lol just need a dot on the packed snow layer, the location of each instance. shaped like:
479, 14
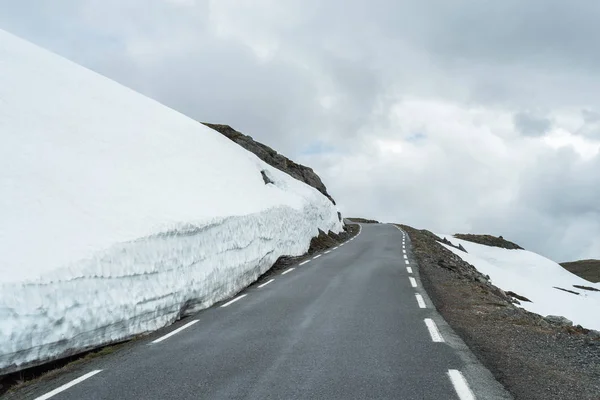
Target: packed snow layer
118, 213
535, 277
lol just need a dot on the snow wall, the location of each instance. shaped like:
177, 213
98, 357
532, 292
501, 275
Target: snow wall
118, 213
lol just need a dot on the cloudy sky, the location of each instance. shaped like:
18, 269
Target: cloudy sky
452, 115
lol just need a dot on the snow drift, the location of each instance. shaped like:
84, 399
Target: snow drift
118, 213
537, 278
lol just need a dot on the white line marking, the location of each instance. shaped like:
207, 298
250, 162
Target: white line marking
336, 247
406, 262
237, 298
287, 270
409, 269
405, 257
413, 282
302, 263
68, 385
433, 330
176, 331
328, 251
315, 257
420, 301
460, 385
404, 251
266, 283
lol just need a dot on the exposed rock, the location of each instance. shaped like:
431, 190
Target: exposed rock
558, 320
266, 179
594, 334
363, 220
489, 240
460, 247
586, 269
518, 296
273, 158
566, 290
591, 289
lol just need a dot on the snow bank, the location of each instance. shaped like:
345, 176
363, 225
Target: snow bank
117, 212
535, 277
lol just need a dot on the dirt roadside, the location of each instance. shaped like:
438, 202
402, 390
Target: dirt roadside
532, 357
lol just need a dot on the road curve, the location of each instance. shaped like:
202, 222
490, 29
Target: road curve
353, 323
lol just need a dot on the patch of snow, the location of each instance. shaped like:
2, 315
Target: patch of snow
535, 277
118, 213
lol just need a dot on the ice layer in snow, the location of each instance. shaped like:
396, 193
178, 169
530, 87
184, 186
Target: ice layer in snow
117, 213
537, 278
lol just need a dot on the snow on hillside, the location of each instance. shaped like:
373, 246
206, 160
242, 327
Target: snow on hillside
116, 211
535, 277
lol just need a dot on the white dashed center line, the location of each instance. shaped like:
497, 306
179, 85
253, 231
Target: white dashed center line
328, 251
406, 262
237, 298
409, 269
433, 330
266, 283
68, 385
404, 251
405, 257
287, 270
315, 257
460, 385
420, 301
413, 281
176, 331
302, 263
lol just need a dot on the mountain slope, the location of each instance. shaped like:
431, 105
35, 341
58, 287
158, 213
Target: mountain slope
586, 269
120, 214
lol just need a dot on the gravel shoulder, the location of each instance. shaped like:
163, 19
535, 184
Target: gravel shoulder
532, 357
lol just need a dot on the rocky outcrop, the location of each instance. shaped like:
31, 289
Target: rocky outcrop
273, 158
586, 269
489, 240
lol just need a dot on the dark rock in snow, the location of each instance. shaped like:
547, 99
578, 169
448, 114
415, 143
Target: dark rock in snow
265, 177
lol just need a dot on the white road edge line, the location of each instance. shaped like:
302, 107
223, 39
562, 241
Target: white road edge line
413, 282
406, 262
266, 283
288, 270
420, 300
305, 262
176, 331
336, 247
405, 257
433, 330
237, 298
460, 385
328, 251
404, 251
315, 257
68, 385
409, 269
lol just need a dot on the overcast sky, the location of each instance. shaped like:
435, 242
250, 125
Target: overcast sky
451, 115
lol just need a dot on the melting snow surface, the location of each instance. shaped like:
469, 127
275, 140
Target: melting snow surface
118, 212
535, 277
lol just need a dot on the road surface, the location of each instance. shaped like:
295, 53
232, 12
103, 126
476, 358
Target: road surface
352, 323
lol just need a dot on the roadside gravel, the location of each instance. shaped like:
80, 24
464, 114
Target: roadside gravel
532, 357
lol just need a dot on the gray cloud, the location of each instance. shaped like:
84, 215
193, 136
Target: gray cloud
530, 124
360, 81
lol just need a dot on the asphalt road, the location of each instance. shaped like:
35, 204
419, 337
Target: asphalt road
346, 325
